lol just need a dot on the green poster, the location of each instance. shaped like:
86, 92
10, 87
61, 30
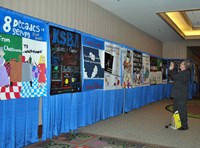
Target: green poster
11, 45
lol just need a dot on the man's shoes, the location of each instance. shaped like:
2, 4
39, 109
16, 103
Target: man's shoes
183, 128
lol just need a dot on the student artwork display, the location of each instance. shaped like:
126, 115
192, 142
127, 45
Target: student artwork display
146, 68
137, 68
159, 71
93, 55
127, 68
153, 70
23, 55
65, 49
112, 74
164, 71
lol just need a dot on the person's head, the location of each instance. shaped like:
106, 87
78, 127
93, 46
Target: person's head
185, 65
42, 59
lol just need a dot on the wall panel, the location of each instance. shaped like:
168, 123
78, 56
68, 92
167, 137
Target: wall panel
87, 17
178, 49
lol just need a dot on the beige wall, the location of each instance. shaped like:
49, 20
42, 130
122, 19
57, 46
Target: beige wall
87, 17
178, 49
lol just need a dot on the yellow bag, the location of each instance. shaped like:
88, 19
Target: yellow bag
176, 121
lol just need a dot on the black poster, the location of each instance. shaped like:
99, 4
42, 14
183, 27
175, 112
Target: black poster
137, 68
65, 61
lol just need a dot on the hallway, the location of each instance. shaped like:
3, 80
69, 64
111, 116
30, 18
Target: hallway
147, 124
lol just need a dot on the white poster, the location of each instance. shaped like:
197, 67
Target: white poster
127, 68
112, 77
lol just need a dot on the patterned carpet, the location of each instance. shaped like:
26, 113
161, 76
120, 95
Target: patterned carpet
86, 140
193, 108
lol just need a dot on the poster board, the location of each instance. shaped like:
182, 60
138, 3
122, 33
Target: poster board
159, 71
65, 47
137, 68
112, 73
153, 70
23, 56
146, 68
164, 71
127, 68
93, 59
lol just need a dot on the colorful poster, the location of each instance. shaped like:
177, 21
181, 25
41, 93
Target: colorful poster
65, 61
17, 24
93, 53
127, 68
23, 52
112, 74
159, 71
164, 71
137, 68
153, 70
146, 68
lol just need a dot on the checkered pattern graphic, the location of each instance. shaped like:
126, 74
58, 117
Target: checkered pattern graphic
35, 72
10, 92
8, 68
27, 91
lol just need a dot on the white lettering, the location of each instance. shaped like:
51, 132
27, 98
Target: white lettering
2, 39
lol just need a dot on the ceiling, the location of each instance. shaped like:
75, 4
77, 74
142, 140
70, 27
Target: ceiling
143, 14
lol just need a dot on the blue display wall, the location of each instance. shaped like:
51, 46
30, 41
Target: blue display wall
64, 112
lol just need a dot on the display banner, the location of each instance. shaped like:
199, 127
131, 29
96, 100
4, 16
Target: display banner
164, 71
127, 68
23, 55
65, 49
137, 68
153, 70
17, 24
146, 68
159, 71
93, 54
112, 74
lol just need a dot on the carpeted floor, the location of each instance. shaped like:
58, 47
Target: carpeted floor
86, 140
193, 108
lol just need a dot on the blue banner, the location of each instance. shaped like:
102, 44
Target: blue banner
93, 42
17, 24
93, 52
